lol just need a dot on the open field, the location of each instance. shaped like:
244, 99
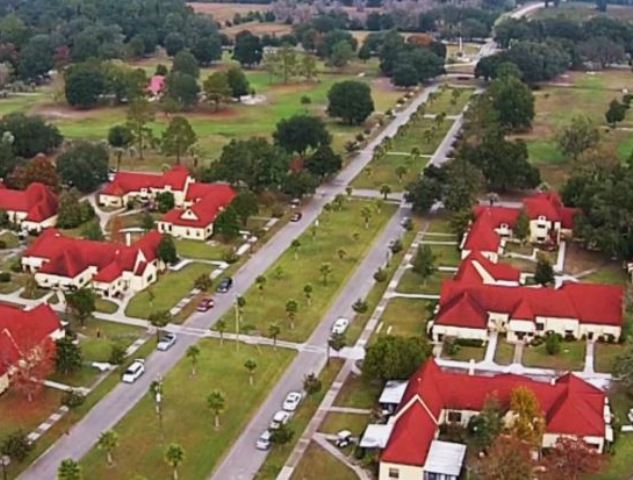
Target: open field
201, 250
186, 418
295, 269
167, 291
411, 282
580, 11
405, 317
259, 28
450, 101
358, 393
317, 464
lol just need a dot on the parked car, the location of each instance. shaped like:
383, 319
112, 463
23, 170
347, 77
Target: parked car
340, 325
225, 285
167, 340
263, 442
134, 371
280, 418
292, 401
205, 304
296, 217
295, 202
343, 438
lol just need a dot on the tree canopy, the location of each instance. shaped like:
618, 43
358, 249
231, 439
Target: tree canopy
351, 101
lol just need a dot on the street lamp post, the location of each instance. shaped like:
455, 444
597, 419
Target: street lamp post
5, 460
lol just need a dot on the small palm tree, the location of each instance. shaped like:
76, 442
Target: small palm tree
349, 190
220, 326
69, 470
260, 281
366, 214
342, 253
401, 171
273, 331
251, 366
193, 352
217, 404
307, 292
174, 456
385, 190
325, 269
369, 172
295, 244
292, 307
108, 442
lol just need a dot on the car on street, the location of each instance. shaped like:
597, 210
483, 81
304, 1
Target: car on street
296, 217
292, 401
295, 202
205, 304
280, 418
225, 285
134, 371
340, 326
263, 441
167, 340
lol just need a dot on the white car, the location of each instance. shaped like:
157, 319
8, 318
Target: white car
340, 325
292, 401
167, 341
134, 371
280, 418
263, 441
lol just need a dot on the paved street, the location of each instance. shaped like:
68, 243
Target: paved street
122, 398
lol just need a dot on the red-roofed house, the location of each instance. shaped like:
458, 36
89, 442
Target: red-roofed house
478, 269
549, 221
110, 268
22, 332
203, 203
471, 310
156, 85
128, 186
34, 209
571, 407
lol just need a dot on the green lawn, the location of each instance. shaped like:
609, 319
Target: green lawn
504, 353
614, 274
170, 288
411, 282
9, 239
201, 250
445, 102
286, 279
334, 422
105, 306
186, 418
278, 455
446, 255
384, 170
440, 225
415, 137
405, 317
358, 393
605, 355
571, 356
19, 414
99, 336
317, 464
465, 354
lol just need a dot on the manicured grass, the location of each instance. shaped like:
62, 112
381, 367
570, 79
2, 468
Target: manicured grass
446, 103
468, 49
383, 171
605, 355
201, 250
280, 453
317, 464
411, 282
99, 336
446, 255
405, 317
19, 414
170, 288
288, 276
186, 417
10, 240
415, 136
334, 422
504, 352
105, 306
440, 225
358, 393
465, 354
571, 356
614, 274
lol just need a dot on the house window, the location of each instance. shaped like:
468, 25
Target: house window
394, 473
454, 417
540, 327
504, 226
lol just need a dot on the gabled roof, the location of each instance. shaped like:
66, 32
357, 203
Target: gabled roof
482, 236
470, 270
38, 201
463, 311
550, 206
569, 404
156, 84
22, 330
209, 200
126, 182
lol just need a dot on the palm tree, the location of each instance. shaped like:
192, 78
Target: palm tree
273, 331
342, 253
156, 391
385, 190
337, 341
69, 470
108, 442
349, 190
292, 307
401, 171
369, 172
220, 326
193, 352
250, 365
366, 214
174, 456
295, 244
307, 292
217, 404
260, 281
160, 319
325, 269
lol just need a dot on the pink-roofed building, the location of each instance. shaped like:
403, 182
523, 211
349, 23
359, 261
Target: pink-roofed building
194, 220
112, 269
22, 333
33, 209
156, 85
128, 186
571, 407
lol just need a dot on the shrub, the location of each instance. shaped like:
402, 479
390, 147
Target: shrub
229, 256
16, 265
72, 398
360, 137
552, 344
408, 225
3, 244
389, 113
396, 246
5, 277
380, 275
311, 384
469, 342
278, 211
450, 347
203, 282
360, 306
16, 446
117, 355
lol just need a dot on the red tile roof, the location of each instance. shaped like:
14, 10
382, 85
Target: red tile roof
126, 182
38, 201
587, 302
69, 256
156, 84
23, 330
550, 206
468, 272
209, 200
569, 404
